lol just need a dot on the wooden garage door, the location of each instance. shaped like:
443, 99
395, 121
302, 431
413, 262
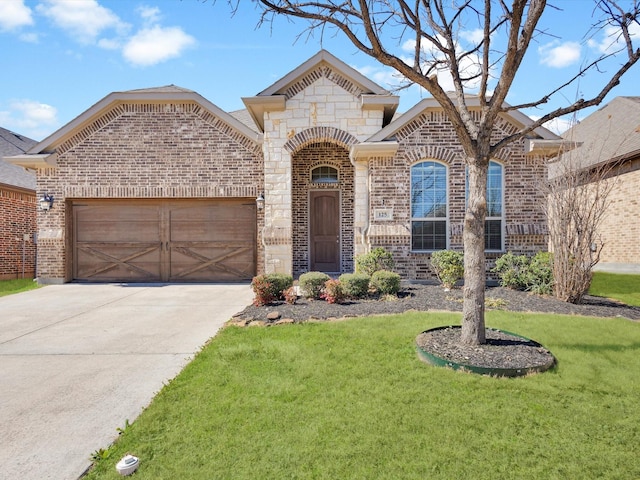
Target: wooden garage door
176, 241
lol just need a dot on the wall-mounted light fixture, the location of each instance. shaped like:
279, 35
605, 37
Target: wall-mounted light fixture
45, 202
260, 201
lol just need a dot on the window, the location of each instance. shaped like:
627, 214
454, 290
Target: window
324, 174
493, 225
494, 222
429, 209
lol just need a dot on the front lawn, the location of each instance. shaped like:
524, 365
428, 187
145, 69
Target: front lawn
350, 400
9, 287
625, 288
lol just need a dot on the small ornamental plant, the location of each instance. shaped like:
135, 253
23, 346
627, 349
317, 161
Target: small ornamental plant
263, 290
290, 295
385, 282
448, 267
355, 285
332, 291
312, 283
376, 259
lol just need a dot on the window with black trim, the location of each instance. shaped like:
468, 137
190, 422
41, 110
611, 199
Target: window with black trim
429, 206
324, 174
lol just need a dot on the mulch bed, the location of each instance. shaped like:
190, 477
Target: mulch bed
418, 297
497, 353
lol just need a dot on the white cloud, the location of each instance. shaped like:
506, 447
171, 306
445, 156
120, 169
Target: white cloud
469, 66
30, 118
85, 20
156, 44
14, 14
612, 41
151, 15
473, 36
558, 125
559, 55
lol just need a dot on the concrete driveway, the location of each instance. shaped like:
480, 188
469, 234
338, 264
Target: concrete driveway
77, 361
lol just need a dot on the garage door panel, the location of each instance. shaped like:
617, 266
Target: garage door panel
219, 260
165, 241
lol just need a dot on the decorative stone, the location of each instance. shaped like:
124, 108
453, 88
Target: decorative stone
257, 323
273, 315
284, 321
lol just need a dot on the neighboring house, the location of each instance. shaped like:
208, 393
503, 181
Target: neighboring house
162, 185
611, 137
17, 210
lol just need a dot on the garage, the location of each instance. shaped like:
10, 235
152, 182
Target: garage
164, 240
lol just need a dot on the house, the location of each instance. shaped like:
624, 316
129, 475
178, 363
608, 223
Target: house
17, 210
162, 185
609, 138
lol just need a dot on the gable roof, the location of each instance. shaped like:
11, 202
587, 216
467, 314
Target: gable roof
515, 117
611, 133
43, 154
14, 175
273, 98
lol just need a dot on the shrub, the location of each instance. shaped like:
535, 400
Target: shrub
523, 273
512, 270
332, 291
355, 285
540, 274
280, 282
312, 283
263, 290
376, 259
290, 295
386, 282
448, 266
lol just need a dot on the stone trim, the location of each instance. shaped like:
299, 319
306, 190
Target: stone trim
318, 135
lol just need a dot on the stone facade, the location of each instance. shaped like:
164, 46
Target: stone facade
17, 229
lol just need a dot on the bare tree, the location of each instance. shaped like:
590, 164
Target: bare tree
578, 197
378, 27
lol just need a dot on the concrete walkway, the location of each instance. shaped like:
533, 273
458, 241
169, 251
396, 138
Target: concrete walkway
77, 361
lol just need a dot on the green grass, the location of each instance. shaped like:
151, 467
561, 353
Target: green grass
350, 400
8, 287
625, 288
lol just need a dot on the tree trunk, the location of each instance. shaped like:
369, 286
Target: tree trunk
473, 327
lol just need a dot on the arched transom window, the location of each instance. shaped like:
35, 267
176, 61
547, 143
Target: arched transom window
324, 174
429, 206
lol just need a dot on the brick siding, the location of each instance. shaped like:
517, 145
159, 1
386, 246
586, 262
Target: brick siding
302, 163
622, 245
167, 150
17, 220
431, 137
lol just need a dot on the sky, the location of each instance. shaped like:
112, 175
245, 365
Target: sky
60, 57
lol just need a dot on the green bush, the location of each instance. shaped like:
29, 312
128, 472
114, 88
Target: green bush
280, 282
448, 266
355, 285
520, 272
540, 274
512, 271
376, 259
385, 282
312, 283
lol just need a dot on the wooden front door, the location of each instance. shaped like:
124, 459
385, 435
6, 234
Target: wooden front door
324, 231
164, 240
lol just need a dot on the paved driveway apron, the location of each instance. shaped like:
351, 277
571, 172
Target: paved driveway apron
77, 361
